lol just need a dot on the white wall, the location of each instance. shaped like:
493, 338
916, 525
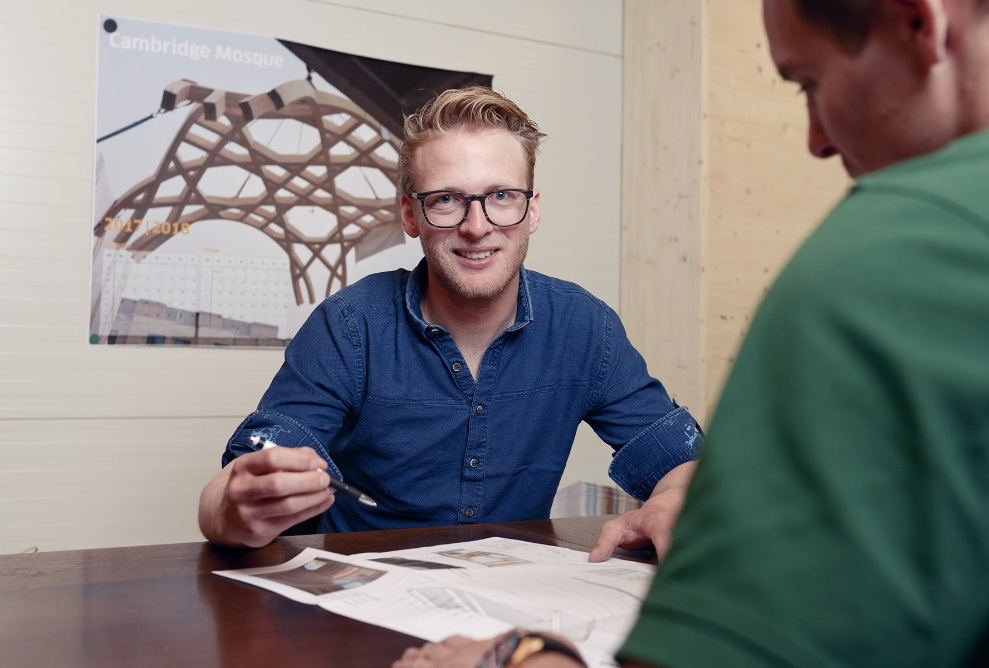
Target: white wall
108, 446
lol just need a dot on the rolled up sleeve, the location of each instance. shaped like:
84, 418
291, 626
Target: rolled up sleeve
668, 442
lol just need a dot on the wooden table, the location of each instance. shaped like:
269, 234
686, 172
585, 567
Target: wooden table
160, 605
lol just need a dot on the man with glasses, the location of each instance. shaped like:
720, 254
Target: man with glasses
452, 393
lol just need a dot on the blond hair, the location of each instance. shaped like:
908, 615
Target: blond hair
472, 108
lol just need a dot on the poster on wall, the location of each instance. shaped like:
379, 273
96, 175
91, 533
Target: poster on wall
240, 179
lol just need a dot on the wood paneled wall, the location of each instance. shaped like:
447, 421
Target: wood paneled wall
717, 185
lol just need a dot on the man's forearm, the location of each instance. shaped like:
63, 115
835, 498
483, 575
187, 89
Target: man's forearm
678, 478
209, 508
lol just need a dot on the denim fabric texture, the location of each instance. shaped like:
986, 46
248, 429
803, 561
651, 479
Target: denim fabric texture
388, 400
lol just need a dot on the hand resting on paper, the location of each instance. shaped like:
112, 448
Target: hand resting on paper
261, 494
652, 523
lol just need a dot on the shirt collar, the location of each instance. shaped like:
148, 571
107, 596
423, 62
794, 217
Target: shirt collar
413, 300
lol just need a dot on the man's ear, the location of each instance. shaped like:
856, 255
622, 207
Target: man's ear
926, 23
409, 222
534, 212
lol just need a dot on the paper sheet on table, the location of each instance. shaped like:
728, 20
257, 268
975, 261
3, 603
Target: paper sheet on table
477, 589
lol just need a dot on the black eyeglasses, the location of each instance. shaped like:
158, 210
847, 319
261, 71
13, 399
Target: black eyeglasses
449, 208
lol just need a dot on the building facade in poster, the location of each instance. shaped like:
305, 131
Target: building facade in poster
241, 179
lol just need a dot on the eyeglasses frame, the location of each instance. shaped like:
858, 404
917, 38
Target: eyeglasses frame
472, 198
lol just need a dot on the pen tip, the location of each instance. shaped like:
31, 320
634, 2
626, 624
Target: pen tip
368, 501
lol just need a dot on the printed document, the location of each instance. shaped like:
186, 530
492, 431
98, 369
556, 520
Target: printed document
476, 589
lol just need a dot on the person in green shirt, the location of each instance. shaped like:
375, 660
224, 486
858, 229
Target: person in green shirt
840, 516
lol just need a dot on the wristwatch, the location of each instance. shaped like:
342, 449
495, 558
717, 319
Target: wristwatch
519, 645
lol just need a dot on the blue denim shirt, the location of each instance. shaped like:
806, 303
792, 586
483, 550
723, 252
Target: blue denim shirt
388, 400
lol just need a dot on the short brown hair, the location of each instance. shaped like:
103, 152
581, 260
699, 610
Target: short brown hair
849, 20
470, 108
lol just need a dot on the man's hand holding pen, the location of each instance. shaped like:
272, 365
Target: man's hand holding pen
349, 490
261, 494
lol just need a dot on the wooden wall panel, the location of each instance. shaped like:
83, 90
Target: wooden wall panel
664, 192
718, 186
765, 191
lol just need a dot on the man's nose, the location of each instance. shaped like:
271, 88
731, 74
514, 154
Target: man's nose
476, 223
818, 142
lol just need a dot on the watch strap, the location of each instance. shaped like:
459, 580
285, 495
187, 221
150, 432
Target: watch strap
530, 643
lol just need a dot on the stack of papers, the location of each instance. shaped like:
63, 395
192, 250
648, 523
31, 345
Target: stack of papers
582, 499
476, 589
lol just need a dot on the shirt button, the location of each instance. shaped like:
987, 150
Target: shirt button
434, 331
479, 410
469, 512
456, 366
474, 461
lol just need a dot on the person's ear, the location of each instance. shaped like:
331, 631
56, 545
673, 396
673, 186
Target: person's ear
534, 212
926, 23
409, 222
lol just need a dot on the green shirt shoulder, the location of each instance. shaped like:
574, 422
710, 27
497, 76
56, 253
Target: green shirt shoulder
838, 515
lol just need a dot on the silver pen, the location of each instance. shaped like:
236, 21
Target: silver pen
340, 485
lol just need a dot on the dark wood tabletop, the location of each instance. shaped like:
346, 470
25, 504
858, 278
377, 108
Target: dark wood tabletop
160, 605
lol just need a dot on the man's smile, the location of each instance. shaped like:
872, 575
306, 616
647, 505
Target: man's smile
474, 255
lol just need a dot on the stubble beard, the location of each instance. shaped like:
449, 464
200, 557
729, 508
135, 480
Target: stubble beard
451, 277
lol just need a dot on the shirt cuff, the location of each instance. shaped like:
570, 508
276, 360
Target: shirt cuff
277, 428
670, 441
